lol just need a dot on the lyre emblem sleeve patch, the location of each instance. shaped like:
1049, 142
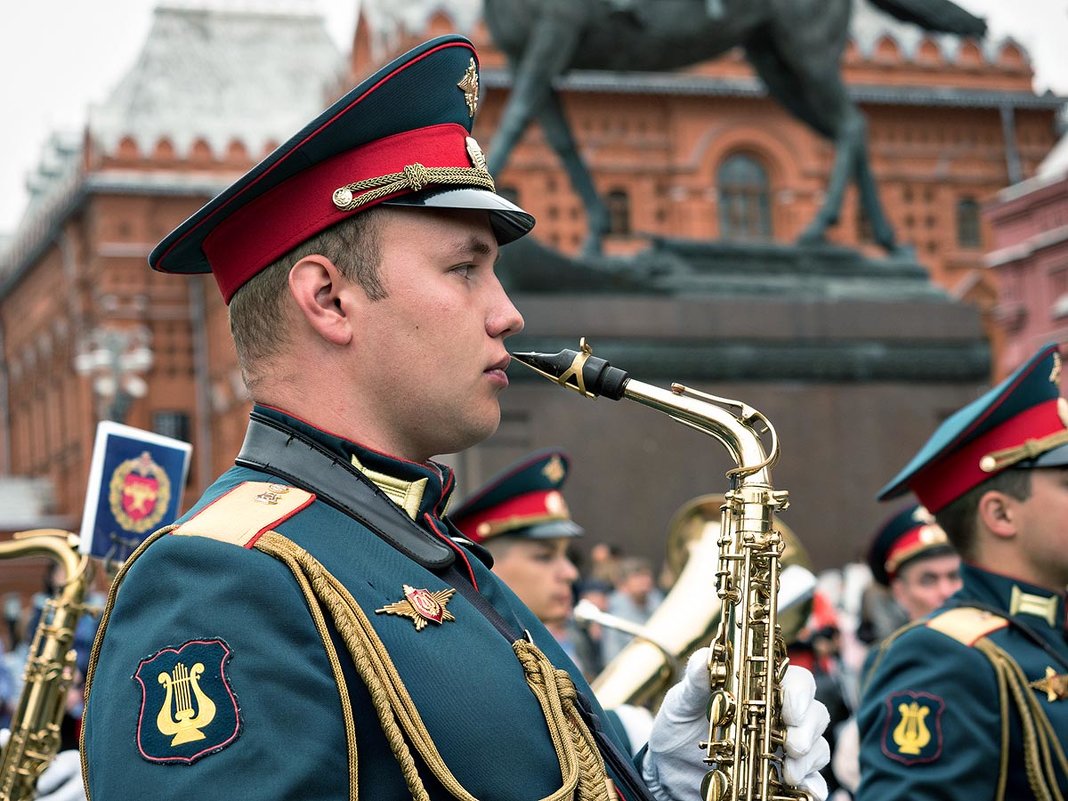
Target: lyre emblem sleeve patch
188, 708
913, 733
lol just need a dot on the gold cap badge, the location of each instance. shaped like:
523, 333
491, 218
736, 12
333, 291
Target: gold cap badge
469, 84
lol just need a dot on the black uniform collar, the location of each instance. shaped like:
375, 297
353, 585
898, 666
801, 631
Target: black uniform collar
1037, 607
418, 489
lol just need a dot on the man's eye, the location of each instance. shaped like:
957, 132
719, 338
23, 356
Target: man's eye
464, 270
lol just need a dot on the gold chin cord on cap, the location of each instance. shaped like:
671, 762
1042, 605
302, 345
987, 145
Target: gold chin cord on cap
999, 460
413, 178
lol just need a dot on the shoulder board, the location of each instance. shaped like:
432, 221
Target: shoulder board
245, 512
966, 624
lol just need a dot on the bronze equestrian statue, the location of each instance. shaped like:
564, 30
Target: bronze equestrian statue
795, 46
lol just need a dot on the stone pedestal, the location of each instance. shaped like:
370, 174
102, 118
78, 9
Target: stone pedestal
854, 361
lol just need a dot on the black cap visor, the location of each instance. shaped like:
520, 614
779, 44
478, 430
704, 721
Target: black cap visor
509, 222
546, 531
1057, 457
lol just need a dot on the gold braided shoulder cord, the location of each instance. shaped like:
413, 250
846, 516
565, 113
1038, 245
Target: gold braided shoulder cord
1041, 745
580, 764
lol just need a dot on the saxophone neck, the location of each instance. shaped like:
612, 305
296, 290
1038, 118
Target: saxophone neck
735, 425
62, 548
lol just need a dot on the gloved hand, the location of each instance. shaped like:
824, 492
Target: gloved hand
674, 766
62, 780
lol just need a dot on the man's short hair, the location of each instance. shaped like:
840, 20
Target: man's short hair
958, 519
257, 310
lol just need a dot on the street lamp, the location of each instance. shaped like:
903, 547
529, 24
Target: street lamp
115, 359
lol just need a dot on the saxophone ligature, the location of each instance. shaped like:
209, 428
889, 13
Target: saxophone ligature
50, 663
747, 655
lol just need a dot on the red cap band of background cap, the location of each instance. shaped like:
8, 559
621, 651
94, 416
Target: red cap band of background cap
946, 479
261, 231
912, 542
518, 510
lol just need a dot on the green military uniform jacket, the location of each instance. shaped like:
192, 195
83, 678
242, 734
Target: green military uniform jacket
968, 703
219, 671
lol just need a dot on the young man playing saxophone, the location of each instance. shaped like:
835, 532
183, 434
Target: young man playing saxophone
312, 629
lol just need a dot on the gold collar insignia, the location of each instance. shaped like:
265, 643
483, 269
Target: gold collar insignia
408, 495
1023, 603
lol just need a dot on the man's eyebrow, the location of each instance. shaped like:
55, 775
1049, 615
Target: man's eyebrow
475, 245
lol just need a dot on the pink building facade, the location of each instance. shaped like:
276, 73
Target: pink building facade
1029, 224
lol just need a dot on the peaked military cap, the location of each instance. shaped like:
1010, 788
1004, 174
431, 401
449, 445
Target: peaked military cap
1020, 423
908, 535
402, 137
522, 501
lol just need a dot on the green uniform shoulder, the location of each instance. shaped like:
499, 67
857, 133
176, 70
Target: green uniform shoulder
966, 624
244, 513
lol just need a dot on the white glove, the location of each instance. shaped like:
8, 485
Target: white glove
674, 765
62, 780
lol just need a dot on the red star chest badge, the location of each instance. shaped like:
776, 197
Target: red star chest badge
422, 606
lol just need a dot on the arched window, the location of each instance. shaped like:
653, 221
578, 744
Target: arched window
968, 234
618, 212
744, 200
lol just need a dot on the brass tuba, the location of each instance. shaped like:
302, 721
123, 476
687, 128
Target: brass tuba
50, 664
747, 657
685, 620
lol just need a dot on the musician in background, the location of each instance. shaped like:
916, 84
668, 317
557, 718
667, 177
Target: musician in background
913, 562
520, 517
972, 702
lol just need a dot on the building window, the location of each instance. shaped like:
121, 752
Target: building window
618, 212
172, 424
744, 200
968, 223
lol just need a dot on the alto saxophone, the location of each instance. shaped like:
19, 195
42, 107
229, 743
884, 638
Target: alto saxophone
747, 655
50, 664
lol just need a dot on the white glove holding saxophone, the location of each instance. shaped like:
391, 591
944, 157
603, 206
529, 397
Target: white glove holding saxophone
62, 780
674, 766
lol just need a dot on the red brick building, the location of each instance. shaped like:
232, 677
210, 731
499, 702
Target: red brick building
951, 123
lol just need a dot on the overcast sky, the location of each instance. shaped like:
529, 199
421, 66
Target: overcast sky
57, 57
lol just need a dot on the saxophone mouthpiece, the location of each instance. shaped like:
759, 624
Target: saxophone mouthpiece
578, 370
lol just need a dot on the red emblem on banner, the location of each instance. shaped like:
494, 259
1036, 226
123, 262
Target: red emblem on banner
139, 493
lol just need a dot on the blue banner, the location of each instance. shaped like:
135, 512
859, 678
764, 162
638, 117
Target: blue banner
135, 487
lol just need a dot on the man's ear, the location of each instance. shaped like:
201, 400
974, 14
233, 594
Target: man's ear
996, 512
320, 292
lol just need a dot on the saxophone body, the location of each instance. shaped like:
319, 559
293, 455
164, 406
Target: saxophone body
50, 664
747, 654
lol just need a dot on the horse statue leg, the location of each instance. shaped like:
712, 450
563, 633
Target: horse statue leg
851, 163
802, 74
547, 55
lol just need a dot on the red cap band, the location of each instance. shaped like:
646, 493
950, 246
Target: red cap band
522, 510
913, 542
945, 480
261, 231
